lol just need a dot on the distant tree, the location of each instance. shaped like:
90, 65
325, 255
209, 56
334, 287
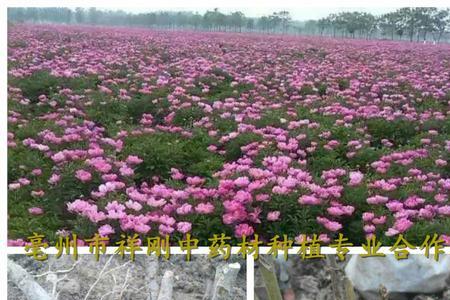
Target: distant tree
441, 22
311, 26
388, 23
264, 23
79, 15
237, 20
417, 22
93, 15
323, 24
250, 24
285, 19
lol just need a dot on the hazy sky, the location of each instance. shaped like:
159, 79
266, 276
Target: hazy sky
297, 13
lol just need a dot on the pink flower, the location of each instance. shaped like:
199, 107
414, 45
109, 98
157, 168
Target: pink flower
377, 199
243, 229
379, 220
355, 178
126, 171
105, 230
133, 205
440, 198
36, 172
440, 162
83, 176
273, 215
309, 200
38, 193
368, 216
176, 174
262, 197
204, 208
24, 181
184, 209
400, 226
328, 224
332, 226
17, 243
413, 201
243, 196
369, 228
446, 239
165, 229
184, 227
35, 210
133, 160
241, 182
14, 186
54, 179
195, 180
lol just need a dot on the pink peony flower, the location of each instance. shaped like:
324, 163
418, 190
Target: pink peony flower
105, 230
35, 210
83, 176
243, 229
355, 178
184, 227
273, 215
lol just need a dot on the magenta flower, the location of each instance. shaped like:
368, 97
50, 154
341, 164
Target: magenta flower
243, 229
83, 176
273, 215
36, 211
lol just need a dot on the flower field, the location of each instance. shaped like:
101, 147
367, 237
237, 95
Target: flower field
114, 130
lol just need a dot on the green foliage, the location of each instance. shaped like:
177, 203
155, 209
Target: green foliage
364, 157
322, 89
324, 121
323, 159
53, 202
307, 90
225, 126
21, 161
155, 104
233, 147
296, 218
442, 126
272, 118
107, 112
83, 227
343, 84
430, 103
42, 83
417, 234
186, 117
163, 151
398, 131
207, 225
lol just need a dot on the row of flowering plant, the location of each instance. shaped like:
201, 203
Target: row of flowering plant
144, 132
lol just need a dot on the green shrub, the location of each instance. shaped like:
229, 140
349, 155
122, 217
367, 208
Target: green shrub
397, 131
143, 103
343, 84
107, 112
42, 83
322, 89
186, 117
163, 151
307, 90
233, 147
322, 160
297, 219
225, 126
272, 118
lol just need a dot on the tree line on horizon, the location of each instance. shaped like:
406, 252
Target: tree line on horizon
408, 23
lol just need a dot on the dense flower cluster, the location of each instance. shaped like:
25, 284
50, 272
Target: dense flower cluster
114, 130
